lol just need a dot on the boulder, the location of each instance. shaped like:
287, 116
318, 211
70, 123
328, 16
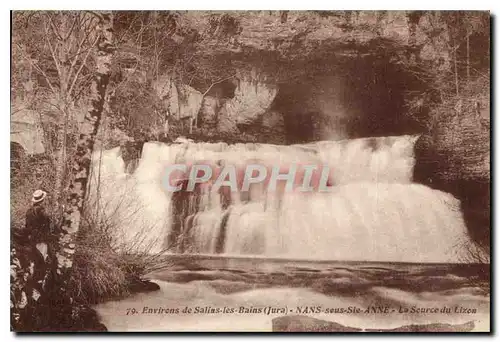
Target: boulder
208, 111
253, 97
181, 100
251, 100
26, 130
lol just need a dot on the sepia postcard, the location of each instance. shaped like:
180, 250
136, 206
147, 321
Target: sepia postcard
250, 171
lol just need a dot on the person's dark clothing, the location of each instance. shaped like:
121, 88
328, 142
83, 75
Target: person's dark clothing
38, 225
37, 230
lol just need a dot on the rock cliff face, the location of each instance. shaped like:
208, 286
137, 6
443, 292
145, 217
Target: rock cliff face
298, 35
330, 74
454, 157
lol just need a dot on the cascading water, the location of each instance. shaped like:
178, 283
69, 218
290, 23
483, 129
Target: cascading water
374, 212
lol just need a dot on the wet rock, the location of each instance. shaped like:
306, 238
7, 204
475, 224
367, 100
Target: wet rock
309, 324
433, 327
186, 277
139, 286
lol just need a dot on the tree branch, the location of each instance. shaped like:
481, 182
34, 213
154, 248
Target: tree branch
220, 81
34, 65
53, 53
54, 27
81, 66
70, 29
73, 63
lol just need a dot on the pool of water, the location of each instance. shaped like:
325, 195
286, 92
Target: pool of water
220, 293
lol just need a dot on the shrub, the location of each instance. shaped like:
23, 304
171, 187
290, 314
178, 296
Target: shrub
103, 267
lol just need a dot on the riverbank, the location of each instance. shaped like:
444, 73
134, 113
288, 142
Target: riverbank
253, 295
88, 319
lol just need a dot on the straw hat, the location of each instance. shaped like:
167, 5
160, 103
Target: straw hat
38, 196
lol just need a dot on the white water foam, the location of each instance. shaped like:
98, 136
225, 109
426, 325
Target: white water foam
374, 212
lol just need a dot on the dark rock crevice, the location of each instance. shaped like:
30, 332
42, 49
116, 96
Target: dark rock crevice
353, 98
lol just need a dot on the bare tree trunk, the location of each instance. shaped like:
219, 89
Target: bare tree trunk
88, 130
60, 159
456, 71
58, 55
468, 58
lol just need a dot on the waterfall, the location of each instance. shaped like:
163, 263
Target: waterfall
373, 213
